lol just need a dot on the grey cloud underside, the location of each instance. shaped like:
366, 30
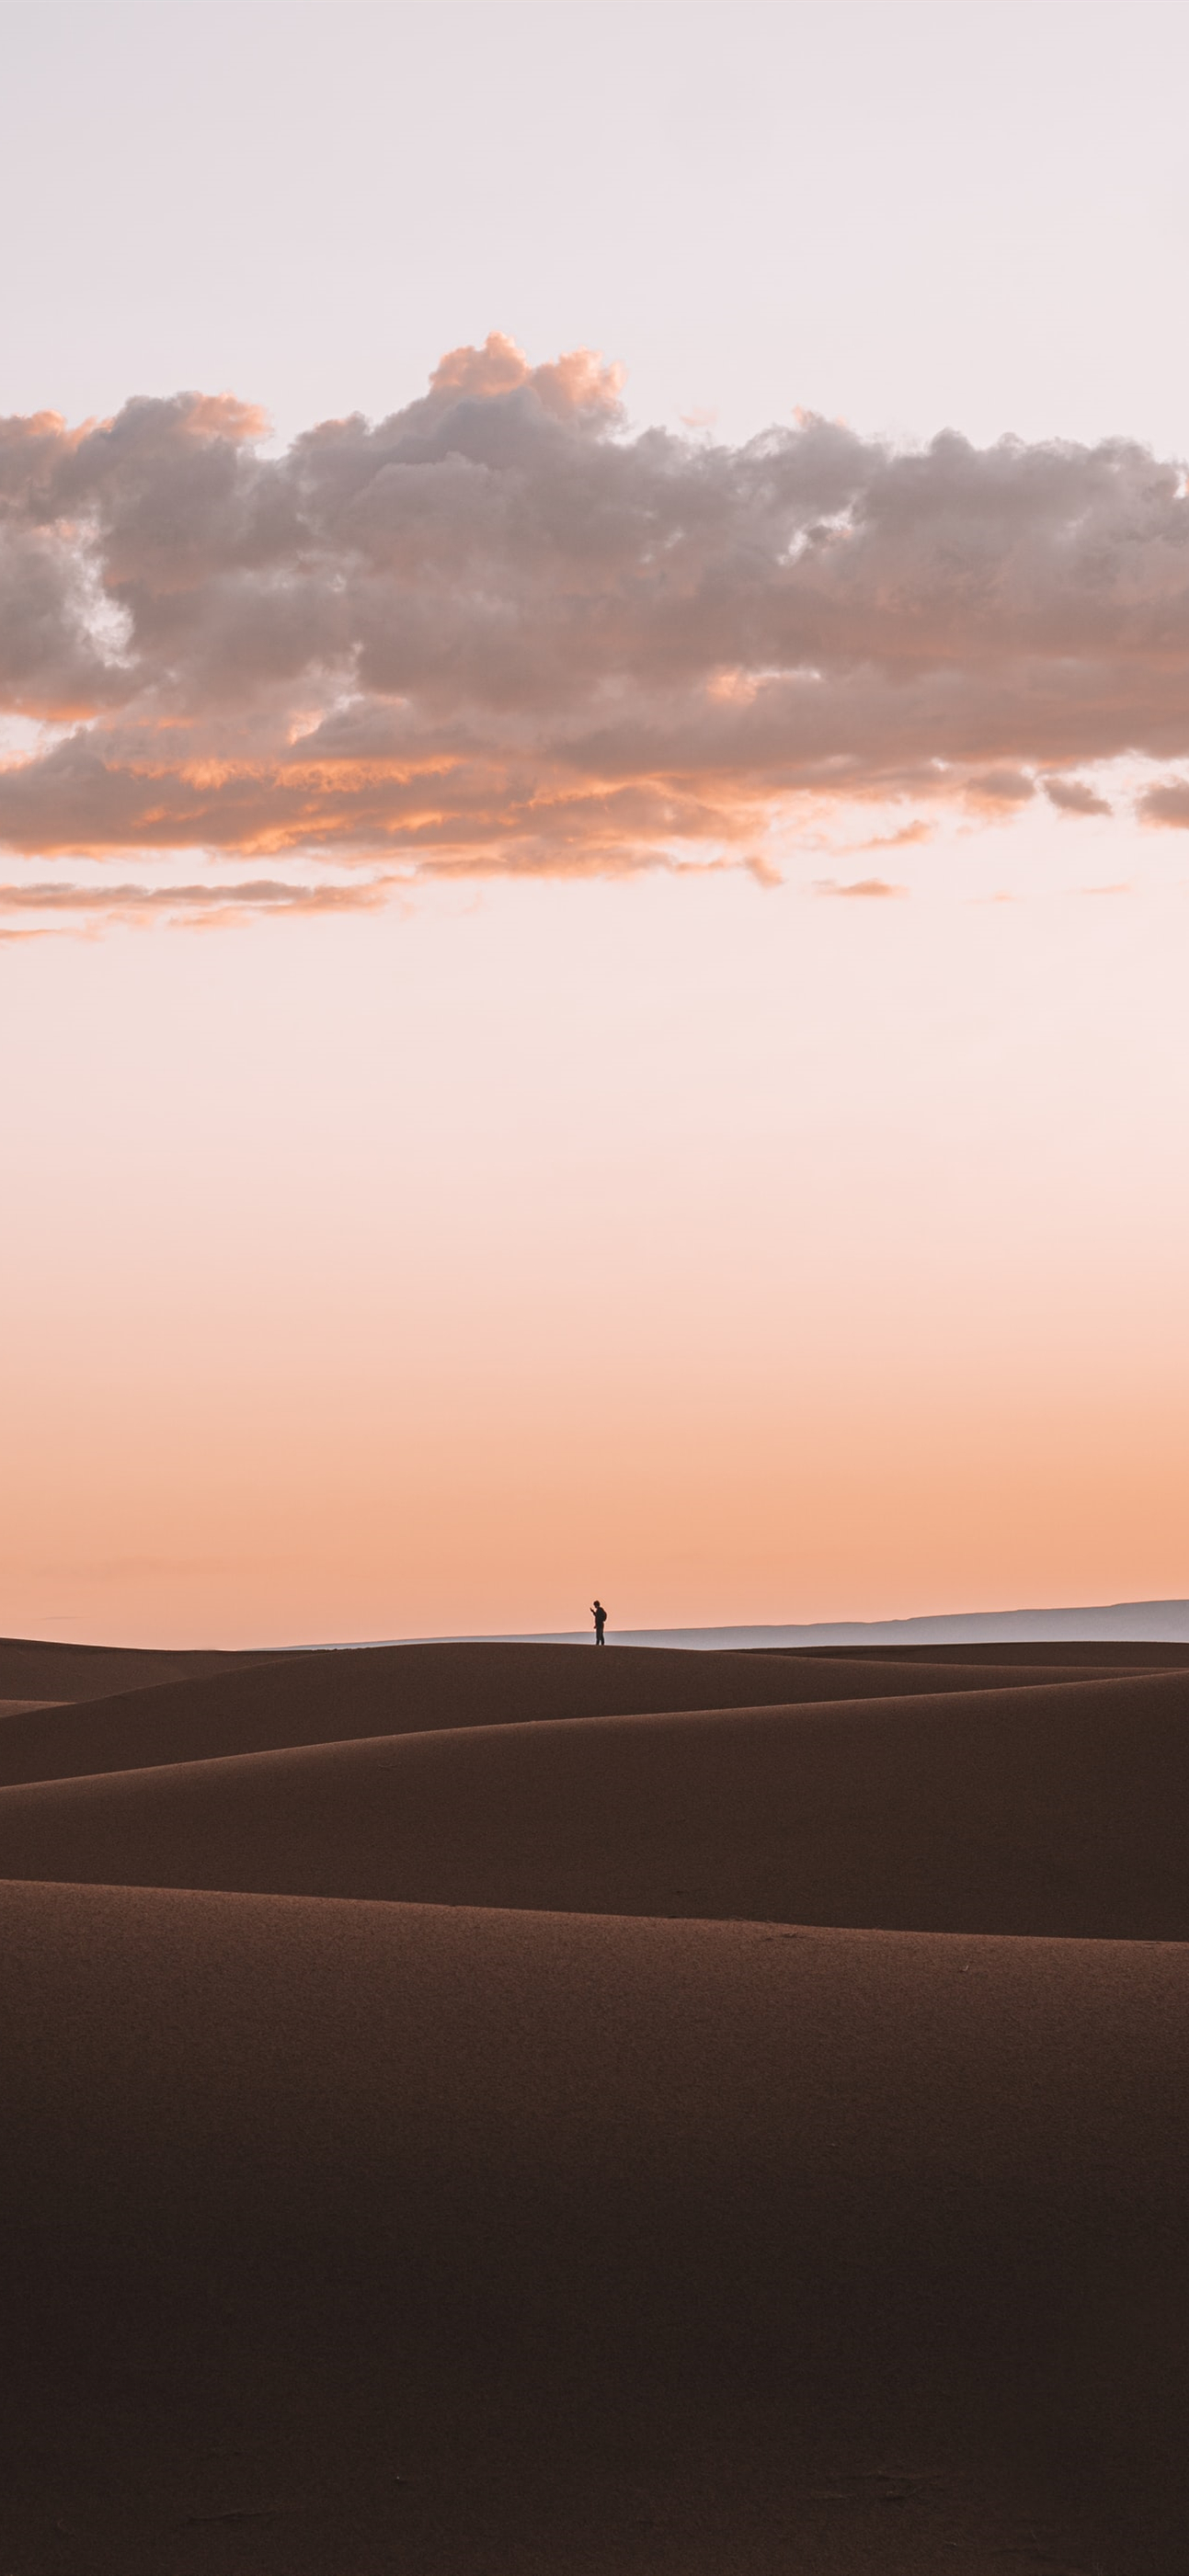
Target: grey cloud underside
498, 629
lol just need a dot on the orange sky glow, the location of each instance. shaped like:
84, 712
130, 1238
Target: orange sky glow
737, 1252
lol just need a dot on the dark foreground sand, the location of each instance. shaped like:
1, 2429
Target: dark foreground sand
523, 2112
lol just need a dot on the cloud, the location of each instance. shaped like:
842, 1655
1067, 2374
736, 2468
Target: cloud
999, 788
909, 836
1072, 796
869, 889
501, 631
219, 899
1167, 802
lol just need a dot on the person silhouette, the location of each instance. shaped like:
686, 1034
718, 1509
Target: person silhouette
599, 1615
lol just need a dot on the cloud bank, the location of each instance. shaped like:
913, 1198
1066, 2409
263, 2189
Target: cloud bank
500, 631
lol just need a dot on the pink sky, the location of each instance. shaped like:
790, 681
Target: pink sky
740, 1253
593, 962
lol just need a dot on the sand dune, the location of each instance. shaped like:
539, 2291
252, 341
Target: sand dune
37, 1668
403, 1690
1137, 1655
560, 2119
1056, 1809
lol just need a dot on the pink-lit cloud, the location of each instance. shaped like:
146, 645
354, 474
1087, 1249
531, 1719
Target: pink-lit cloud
501, 632
254, 894
909, 836
867, 889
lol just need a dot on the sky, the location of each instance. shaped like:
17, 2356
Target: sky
594, 784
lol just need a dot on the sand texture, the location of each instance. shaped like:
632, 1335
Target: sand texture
520, 2111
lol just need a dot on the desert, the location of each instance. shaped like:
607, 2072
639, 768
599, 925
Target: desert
594, 1419
489, 2107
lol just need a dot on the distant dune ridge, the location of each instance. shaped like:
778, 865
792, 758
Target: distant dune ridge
494, 2106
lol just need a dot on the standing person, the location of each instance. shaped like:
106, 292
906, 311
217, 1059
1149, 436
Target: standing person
599, 1615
